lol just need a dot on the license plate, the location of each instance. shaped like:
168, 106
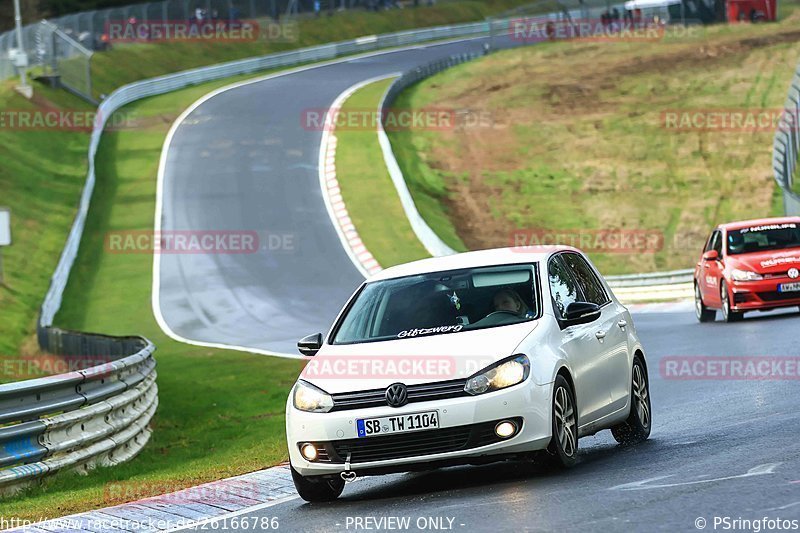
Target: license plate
789, 287
386, 425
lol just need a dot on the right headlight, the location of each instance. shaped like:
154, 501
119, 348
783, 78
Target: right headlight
307, 397
745, 275
500, 375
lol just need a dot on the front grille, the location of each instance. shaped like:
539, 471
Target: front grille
410, 444
775, 296
416, 393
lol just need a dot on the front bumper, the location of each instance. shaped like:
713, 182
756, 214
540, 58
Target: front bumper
762, 295
526, 401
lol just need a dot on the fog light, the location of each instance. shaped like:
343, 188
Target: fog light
309, 451
505, 429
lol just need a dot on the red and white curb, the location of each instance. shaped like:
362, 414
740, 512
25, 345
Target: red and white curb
341, 217
332, 193
189, 508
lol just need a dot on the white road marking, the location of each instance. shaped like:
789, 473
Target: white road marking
645, 484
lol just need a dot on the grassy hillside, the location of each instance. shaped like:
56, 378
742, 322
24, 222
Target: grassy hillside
578, 139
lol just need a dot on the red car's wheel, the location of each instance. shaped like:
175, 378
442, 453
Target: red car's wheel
704, 314
728, 314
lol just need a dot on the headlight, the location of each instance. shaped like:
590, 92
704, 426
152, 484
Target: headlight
745, 275
500, 375
307, 397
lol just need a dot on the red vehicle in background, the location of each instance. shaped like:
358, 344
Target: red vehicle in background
749, 266
751, 10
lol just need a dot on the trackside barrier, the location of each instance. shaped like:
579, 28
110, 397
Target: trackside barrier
786, 146
94, 415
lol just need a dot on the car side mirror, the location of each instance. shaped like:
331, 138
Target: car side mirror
581, 313
711, 255
310, 345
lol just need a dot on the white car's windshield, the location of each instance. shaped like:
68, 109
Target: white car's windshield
440, 302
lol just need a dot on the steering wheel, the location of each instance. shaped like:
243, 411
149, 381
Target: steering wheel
499, 312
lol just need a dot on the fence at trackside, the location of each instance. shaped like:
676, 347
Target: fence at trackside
94, 415
786, 146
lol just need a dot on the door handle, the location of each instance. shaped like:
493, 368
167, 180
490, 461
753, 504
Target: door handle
600, 335
622, 324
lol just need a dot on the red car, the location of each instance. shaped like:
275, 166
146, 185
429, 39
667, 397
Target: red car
748, 266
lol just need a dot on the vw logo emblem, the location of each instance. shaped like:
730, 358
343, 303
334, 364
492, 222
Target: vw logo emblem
794, 273
397, 395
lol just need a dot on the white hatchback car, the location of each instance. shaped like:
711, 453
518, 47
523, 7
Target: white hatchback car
466, 359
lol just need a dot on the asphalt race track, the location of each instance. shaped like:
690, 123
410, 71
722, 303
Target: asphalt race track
243, 161
719, 447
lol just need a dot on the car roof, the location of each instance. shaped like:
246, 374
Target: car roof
758, 222
495, 256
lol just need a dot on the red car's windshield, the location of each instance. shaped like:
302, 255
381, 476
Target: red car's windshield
763, 238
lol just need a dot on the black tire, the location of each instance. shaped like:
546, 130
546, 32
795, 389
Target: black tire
637, 426
703, 313
728, 315
317, 490
562, 450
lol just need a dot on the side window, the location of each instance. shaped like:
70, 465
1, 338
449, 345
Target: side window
718, 243
714, 242
563, 287
589, 283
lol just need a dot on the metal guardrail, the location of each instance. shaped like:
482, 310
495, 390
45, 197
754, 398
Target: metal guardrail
93, 416
786, 146
654, 278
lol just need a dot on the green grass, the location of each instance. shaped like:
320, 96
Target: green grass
40, 180
427, 184
221, 412
367, 188
577, 142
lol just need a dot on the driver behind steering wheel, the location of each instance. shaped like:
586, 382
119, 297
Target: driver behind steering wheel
510, 301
